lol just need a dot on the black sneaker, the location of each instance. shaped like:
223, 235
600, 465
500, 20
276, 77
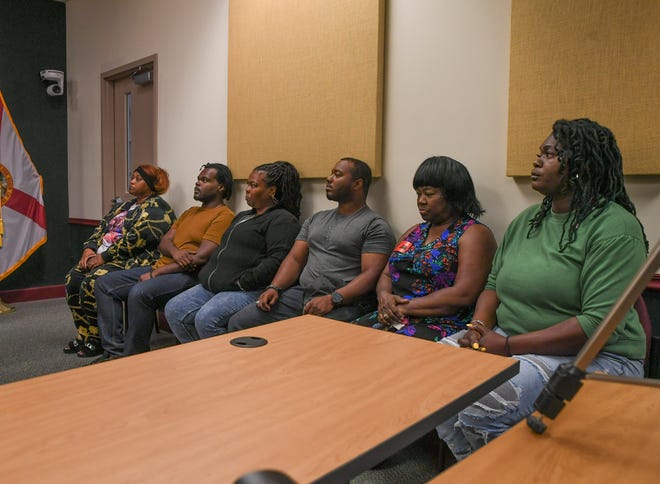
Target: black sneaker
104, 357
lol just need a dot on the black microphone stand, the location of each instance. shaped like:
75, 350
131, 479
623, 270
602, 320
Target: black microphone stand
567, 378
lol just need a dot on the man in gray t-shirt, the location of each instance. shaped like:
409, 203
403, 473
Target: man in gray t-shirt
335, 262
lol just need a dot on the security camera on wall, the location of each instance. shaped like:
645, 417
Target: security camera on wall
54, 81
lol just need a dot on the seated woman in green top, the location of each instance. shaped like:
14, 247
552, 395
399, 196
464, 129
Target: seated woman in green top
560, 268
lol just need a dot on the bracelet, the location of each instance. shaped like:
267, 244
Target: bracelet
479, 321
151, 274
277, 288
507, 350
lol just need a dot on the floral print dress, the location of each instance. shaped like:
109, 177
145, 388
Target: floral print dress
418, 269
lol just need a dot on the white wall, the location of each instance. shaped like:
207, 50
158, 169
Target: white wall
446, 89
190, 39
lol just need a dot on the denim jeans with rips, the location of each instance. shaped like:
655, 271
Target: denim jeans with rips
513, 401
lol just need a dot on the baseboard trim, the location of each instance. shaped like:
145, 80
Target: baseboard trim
33, 293
83, 221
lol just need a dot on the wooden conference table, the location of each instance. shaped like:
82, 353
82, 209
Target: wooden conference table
609, 432
322, 401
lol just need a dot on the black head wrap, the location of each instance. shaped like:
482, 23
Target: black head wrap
148, 179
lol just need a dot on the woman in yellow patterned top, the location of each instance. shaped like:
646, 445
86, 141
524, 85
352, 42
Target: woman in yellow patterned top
128, 236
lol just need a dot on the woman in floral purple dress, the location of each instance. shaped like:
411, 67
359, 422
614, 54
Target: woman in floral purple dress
439, 267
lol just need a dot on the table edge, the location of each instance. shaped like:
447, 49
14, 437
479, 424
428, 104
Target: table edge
391, 446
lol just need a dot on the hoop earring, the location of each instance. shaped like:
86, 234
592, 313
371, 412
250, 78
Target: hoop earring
274, 199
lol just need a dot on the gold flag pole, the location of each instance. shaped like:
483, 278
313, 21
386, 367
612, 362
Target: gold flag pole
4, 308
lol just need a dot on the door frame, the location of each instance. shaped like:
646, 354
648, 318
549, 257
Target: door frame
107, 122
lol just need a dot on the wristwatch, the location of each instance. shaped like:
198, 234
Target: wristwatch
277, 288
337, 299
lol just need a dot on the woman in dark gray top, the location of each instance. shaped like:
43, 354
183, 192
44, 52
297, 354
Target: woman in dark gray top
250, 252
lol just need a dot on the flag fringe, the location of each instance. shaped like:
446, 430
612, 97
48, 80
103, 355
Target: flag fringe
5, 308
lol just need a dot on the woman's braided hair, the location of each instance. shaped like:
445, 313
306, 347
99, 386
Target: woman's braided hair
592, 165
286, 179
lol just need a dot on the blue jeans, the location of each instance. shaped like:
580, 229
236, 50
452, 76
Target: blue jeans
199, 313
513, 401
142, 298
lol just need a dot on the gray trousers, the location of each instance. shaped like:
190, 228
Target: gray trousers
291, 304
142, 298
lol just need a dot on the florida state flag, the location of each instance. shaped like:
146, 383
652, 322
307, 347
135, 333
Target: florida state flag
22, 216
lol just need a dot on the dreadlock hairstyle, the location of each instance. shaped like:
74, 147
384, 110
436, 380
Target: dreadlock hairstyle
592, 165
223, 176
286, 179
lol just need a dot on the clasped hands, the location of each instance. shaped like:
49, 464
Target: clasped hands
89, 260
185, 260
480, 338
391, 309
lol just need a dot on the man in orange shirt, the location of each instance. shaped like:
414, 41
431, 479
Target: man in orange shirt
185, 248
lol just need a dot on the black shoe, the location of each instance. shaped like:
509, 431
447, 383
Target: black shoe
104, 357
73, 346
90, 349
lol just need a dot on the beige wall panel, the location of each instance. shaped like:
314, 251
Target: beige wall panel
585, 58
305, 83
447, 71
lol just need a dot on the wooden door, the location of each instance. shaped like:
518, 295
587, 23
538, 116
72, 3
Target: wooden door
128, 126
